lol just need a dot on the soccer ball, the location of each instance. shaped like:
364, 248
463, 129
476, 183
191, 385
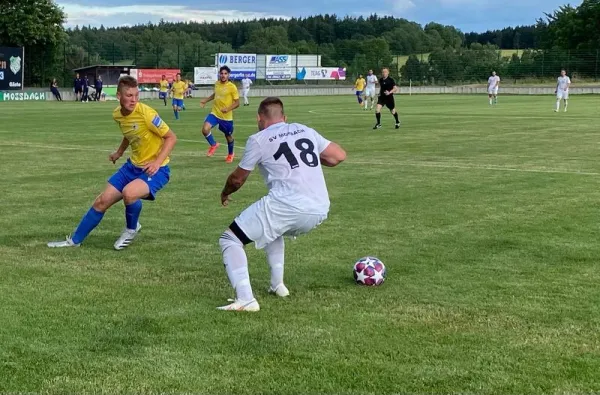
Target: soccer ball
369, 271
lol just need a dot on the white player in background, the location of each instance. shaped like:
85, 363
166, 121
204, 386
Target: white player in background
289, 157
246, 82
371, 91
562, 90
493, 85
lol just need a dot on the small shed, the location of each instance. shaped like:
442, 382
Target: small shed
110, 73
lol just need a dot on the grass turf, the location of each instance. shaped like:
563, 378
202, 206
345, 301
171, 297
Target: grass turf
485, 217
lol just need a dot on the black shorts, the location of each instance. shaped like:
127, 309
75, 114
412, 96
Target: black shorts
386, 101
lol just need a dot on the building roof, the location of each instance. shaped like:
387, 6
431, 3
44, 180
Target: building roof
106, 66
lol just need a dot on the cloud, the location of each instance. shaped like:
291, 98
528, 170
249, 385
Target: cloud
401, 6
78, 14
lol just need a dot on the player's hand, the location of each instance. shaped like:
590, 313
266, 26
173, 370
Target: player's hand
225, 200
224, 110
114, 157
202, 103
152, 168
387, 93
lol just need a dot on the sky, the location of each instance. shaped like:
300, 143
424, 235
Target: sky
467, 15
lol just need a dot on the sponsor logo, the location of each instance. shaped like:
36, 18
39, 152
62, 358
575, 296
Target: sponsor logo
278, 59
22, 96
13, 84
1, 75
15, 64
156, 121
223, 59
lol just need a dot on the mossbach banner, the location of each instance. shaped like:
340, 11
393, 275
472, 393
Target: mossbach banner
22, 96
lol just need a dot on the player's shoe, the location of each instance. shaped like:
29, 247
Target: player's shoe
64, 243
377, 126
229, 158
240, 305
398, 125
280, 290
212, 149
127, 237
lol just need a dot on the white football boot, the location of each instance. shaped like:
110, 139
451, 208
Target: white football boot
61, 244
127, 237
241, 305
280, 290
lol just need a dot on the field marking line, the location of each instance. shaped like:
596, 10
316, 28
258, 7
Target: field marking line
351, 162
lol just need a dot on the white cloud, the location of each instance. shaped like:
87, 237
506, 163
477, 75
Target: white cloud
78, 14
401, 6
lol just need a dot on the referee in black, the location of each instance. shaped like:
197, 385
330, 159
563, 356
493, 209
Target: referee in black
386, 97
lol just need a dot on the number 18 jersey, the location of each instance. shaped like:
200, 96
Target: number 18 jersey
288, 157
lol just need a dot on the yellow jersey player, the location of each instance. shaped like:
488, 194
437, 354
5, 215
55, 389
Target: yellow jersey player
226, 99
178, 89
359, 86
141, 177
163, 89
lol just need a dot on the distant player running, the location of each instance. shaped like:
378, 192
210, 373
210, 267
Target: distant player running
144, 174
163, 89
246, 82
359, 87
370, 92
289, 157
562, 90
387, 88
226, 99
178, 90
493, 85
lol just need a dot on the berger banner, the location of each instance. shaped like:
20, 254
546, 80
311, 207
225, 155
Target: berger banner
321, 73
11, 68
241, 64
278, 67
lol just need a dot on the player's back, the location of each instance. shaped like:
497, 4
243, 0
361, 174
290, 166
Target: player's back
289, 160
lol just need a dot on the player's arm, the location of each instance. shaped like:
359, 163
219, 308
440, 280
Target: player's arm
252, 156
120, 151
333, 155
207, 99
158, 127
235, 99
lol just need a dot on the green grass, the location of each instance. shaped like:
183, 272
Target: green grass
487, 220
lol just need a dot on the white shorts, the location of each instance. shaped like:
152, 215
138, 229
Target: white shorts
561, 94
493, 91
370, 92
245, 91
267, 219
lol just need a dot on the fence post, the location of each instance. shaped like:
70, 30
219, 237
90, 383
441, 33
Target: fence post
296, 77
178, 62
543, 61
65, 72
113, 51
135, 53
596, 70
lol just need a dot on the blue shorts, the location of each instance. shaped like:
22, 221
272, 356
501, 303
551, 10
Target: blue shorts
162, 95
128, 173
224, 126
178, 102
359, 93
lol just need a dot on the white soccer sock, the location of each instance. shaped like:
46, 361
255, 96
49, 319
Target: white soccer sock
557, 105
566, 104
236, 265
275, 258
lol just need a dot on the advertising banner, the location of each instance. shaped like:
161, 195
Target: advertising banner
11, 68
321, 73
278, 67
153, 76
240, 64
23, 96
205, 75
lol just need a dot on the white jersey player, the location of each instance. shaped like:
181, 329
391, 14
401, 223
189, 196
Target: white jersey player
371, 91
562, 90
289, 157
246, 82
493, 85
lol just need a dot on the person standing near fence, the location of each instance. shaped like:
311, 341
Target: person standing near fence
54, 90
246, 82
77, 87
98, 86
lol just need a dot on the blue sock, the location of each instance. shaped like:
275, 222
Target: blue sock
90, 220
183, 107
132, 214
176, 114
211, 140
230, 147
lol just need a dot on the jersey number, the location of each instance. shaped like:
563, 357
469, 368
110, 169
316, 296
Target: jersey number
307, 153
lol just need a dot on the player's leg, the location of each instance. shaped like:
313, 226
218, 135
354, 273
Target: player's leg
558, 99
227, 128
380, 103
210, 122
93, 217
175, 108
566, 99
490, 97
275, 258
391, 105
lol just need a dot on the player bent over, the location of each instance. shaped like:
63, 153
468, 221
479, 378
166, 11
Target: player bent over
141, 177
289, 157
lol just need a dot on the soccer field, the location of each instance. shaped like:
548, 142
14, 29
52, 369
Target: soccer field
486, 218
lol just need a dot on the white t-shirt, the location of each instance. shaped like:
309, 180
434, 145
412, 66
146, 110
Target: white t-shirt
288, 157
493, 80
371, 81
246, 82
563, 82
